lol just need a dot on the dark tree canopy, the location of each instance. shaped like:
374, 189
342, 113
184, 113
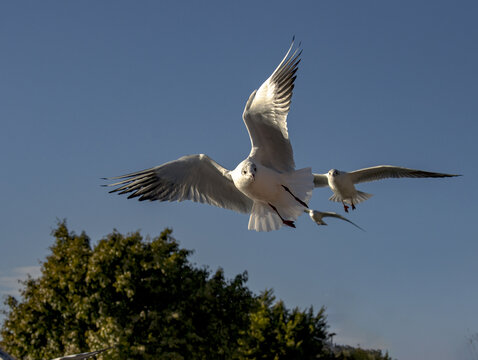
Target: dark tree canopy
144, 298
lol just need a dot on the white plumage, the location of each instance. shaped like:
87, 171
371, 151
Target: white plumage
343, 183
265, 185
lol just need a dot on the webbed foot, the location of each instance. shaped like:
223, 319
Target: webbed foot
289, 223
346, 207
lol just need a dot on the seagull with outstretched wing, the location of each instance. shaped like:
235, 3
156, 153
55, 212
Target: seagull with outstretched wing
264, 185
317, 217
342, 183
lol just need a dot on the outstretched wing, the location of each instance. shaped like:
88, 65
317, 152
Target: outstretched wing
265, 116
86, 355
193, 177
338, 216
317, 217
389, 171
320, 180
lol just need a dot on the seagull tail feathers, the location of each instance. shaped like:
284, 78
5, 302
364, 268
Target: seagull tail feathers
359, 197
263, 218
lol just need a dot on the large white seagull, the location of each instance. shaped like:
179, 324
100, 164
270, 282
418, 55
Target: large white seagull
265, 184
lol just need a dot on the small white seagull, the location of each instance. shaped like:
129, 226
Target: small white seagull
342, 183
264, 185
317, 216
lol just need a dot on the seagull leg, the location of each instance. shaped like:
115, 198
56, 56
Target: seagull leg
285, 222
295, 197
353, 206
346, 208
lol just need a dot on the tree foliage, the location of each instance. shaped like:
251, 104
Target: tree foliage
275, 332
144, 298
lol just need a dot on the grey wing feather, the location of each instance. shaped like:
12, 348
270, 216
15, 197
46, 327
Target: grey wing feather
338, 216
81, 356
389, 171
320, 180
265, 116
193, 177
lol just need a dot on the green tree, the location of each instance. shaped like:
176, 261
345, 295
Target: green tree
278, 333
144, 298
51, 320
147, 298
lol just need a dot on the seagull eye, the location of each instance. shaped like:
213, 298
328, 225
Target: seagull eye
244, 172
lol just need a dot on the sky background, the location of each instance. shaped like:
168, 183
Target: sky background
92, 89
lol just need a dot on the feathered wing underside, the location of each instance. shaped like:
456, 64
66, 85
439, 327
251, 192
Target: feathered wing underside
265, 116
389, 171
320, 180
357, 198
193, 177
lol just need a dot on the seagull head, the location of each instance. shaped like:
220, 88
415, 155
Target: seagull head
244, 174
333, 173
248, 170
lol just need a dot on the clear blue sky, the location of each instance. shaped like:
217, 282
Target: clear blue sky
91, 89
